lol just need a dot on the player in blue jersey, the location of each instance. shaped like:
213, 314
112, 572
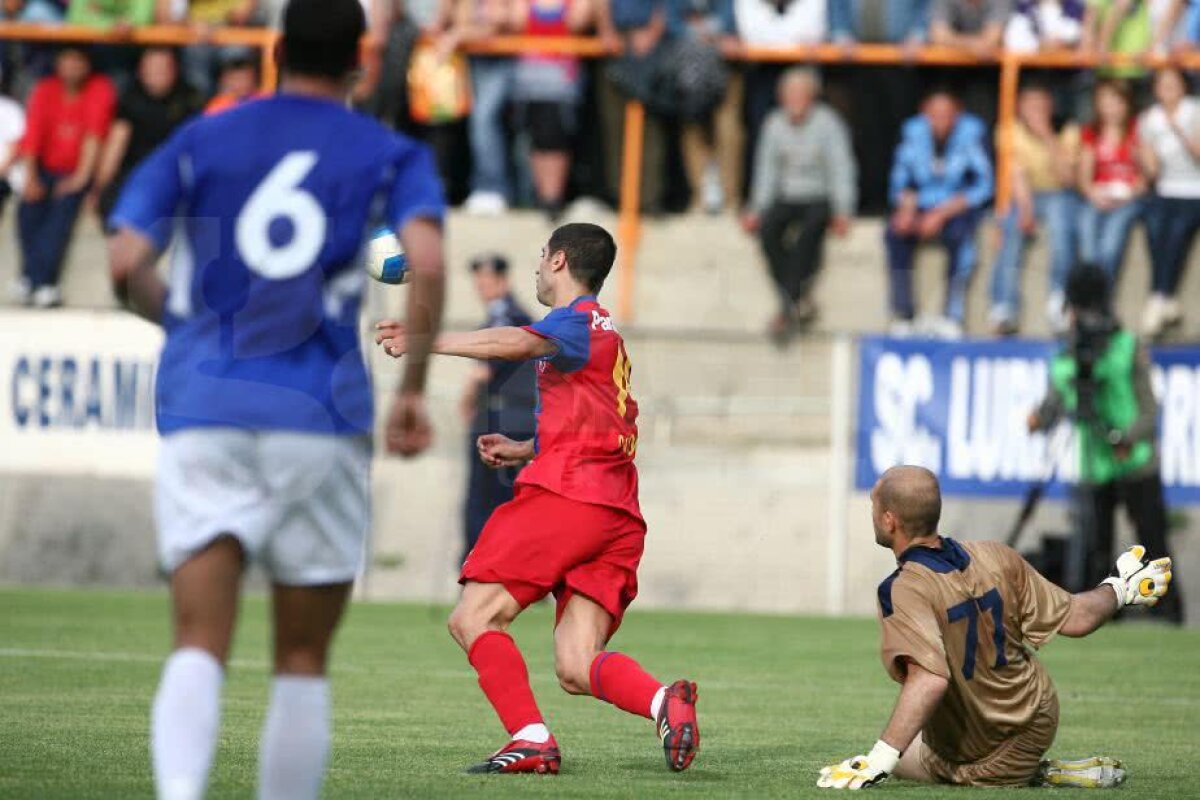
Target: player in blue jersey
263, 399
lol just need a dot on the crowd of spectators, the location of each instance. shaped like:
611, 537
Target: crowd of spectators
795, 152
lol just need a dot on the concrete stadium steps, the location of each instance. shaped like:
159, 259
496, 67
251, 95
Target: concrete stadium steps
695, 274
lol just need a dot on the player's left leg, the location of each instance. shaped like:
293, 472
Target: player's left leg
479, 623
186, 712
585, 667
294, 748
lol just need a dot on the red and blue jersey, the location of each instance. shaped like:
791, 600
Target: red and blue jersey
586, 418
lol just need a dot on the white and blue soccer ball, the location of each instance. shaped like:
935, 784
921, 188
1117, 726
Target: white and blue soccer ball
385, 260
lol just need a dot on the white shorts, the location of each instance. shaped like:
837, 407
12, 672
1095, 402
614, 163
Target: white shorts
298, 503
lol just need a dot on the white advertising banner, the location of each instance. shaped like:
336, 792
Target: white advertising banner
78, 393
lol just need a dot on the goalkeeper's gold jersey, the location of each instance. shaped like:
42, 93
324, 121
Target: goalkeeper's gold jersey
970, 612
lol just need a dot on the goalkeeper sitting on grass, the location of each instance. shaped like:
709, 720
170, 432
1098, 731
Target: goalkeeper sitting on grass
976, 707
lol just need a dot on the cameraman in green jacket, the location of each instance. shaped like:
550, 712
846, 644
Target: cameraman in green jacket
1101, 380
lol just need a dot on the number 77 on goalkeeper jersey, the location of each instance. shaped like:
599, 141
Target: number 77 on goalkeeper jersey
574, 528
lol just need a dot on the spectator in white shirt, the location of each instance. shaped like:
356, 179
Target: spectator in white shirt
781, 23
1169, 135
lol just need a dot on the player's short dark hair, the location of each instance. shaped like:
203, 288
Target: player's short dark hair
1088, 288
321, 37
590, 252
493, 261
913, 495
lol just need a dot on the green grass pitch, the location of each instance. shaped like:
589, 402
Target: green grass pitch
779, 697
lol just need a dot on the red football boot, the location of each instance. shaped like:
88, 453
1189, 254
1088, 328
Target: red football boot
520, 755
677, 726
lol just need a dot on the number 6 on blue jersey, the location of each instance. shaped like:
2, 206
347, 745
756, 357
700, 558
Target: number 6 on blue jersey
278, 197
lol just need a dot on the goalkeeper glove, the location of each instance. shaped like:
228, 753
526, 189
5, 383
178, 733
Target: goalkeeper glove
1137, 580
861, 772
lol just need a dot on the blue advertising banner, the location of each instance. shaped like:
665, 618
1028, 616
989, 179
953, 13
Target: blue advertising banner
959, 408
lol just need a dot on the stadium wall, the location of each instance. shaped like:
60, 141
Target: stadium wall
735, 455
738, 479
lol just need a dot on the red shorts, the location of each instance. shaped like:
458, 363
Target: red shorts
542, 542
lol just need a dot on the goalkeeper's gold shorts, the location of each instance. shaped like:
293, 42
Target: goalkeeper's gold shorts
1013, 763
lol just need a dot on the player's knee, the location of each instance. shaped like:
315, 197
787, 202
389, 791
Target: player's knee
465, 626
196, 632
573, 672
302, 660
572, 681
469, 621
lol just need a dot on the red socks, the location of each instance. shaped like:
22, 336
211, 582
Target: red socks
505, 680
615, 678
618, 679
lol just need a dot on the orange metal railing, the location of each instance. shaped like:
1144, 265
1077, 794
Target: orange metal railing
629, 221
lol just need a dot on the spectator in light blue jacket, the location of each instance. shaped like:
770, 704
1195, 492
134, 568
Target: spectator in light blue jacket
941, 180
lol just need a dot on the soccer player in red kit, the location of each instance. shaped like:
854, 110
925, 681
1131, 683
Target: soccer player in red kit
574, 528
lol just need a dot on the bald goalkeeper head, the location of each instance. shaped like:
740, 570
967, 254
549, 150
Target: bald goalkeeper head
906, 505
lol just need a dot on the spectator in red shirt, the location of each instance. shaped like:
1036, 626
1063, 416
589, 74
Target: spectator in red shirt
69, 114
1110, 179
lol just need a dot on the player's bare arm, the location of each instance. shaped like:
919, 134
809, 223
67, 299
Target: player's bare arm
919, 698
422, 242
505, 344
922, 692
1089, 611
408, 431
135, 280
499, 451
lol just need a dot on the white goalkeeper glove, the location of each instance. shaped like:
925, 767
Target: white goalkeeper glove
1137, 580
861, 772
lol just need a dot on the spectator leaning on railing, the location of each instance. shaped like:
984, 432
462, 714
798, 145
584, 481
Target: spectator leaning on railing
1044, 25
773, 23
1110, 179
69, 116
941, 180
1042, 177
411, 41
156, 103
1169, 135
548, 90
1122, 27
977, 28
639, 27
201, 61
712, 146
876, 99
395, 27
491, 88
804, 183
